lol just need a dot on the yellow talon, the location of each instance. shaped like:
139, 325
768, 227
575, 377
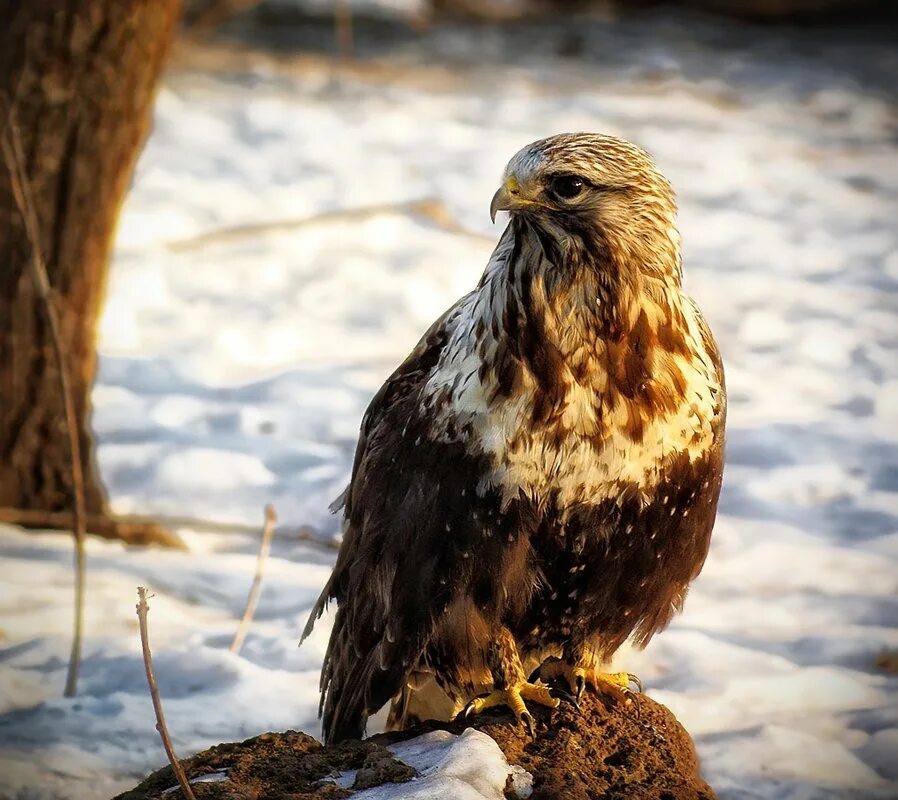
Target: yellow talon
614, 684
513, 697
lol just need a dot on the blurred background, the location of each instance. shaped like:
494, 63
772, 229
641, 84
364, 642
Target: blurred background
313, 193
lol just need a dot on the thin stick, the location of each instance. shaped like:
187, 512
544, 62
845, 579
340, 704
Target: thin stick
142, 609
255, 589
343, 27
430, 209
15, 163
220, 12
142, 531
130, 530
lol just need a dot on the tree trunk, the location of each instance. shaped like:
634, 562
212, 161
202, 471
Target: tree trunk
77, 81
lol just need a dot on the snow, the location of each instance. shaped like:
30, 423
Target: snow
467, 767
235, 372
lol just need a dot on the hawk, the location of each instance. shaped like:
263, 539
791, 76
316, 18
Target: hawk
537, 482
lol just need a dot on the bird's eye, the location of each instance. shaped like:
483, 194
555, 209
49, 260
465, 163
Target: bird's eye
567, 187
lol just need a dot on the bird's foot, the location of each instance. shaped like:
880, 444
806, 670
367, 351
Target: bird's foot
617, 685
514, 697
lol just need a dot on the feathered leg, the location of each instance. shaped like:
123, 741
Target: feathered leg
421, 698
511, 687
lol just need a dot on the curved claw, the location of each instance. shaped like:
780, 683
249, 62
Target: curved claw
557, 691
529, 723
580, 681
633, 697
618, 685
469, 707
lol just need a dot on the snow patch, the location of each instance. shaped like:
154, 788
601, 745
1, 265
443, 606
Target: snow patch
469, 766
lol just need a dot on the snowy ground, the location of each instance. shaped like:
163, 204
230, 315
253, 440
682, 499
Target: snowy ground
235, 372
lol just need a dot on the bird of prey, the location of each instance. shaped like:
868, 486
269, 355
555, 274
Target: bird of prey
537, 482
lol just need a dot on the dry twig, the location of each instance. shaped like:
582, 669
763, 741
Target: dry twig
130, 530
21, 190
142, 531
218, 12
142, 609
254, 590
888, 660
428, 208
343, 27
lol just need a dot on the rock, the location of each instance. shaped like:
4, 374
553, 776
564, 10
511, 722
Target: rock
602, 752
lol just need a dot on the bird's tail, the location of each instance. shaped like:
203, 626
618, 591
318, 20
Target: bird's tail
343, 720
343, 707
353, 684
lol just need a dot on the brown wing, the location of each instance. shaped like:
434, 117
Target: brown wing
693, 486
407, 524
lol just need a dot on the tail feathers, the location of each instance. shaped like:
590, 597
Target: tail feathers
360, 674
317, 611
339, 503
342, 720
354, 688
346, 686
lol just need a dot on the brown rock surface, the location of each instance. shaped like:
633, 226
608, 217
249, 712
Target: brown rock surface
599, 753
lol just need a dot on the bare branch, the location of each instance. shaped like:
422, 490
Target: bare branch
142, 610
218, 12
430, 209
888, 660
129, 529
21, 190
343, 27
142, 531
256, 587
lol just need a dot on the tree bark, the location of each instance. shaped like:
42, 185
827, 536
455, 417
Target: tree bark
77, 80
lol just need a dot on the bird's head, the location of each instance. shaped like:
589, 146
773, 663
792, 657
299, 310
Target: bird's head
591, 197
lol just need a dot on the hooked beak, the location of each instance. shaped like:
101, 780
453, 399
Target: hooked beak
508, 198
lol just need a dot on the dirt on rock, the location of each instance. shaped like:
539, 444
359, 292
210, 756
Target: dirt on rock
601, 752
276, 766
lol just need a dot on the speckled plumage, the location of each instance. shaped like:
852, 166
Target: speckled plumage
540, 477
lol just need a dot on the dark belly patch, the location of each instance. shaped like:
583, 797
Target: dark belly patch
596, 574
622, 566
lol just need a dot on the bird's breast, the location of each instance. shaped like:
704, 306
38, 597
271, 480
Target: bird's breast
618, 415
